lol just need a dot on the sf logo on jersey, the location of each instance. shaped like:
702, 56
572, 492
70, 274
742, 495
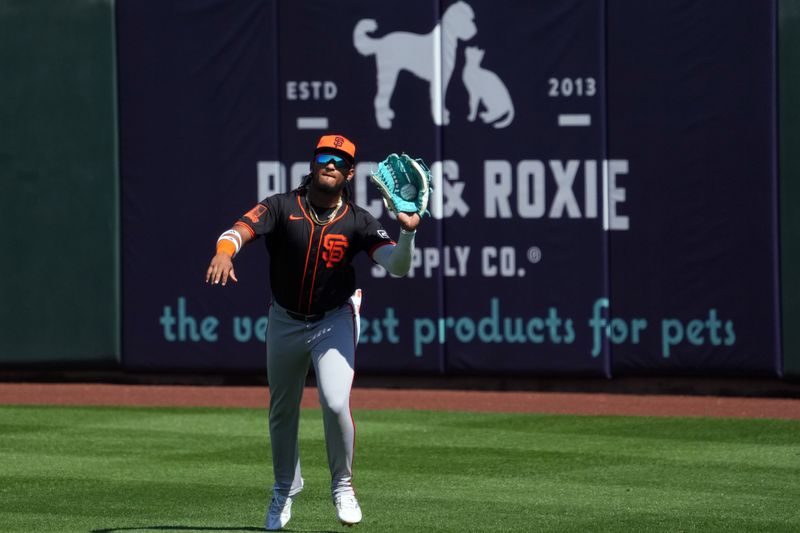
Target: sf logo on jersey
333, 249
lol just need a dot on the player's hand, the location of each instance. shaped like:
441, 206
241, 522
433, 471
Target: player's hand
220, 269
409, 221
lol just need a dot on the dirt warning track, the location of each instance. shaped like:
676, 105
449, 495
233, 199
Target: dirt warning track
377, 398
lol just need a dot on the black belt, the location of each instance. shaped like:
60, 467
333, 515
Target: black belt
306, 318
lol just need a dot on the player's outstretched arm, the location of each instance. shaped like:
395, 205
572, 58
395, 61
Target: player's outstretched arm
228, 245
396, 259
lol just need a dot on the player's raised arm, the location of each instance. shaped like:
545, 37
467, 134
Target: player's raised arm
228, 245
396, 258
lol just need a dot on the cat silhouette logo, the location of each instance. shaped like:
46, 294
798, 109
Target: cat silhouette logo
404, 51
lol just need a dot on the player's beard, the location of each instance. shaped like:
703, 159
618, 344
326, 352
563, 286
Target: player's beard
325, 188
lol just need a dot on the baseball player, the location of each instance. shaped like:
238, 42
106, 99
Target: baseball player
312, 235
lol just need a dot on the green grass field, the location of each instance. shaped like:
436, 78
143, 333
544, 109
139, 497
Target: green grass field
92, 469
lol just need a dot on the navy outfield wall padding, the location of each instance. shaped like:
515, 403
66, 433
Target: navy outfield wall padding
595, 188
536, 252
697, 120
198, 104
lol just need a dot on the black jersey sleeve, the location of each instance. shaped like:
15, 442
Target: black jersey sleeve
373, 236
262, 218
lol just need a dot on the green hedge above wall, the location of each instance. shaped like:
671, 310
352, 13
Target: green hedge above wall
59, 279
789, 120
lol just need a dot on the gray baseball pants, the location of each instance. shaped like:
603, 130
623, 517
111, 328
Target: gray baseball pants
329, 344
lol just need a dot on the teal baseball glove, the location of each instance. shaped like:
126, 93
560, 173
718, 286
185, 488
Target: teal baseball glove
404, 184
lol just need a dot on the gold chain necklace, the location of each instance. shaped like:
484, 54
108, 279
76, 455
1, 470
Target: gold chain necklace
315, 217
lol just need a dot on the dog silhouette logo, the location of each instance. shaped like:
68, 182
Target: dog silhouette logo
419, 54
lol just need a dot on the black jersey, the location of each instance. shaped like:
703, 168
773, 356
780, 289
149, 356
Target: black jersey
310, 264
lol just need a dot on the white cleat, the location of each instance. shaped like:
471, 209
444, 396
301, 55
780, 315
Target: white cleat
347, 509
279, 513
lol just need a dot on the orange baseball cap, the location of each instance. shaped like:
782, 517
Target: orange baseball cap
338, 144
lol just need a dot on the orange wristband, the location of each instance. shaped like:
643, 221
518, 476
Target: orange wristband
227, 247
